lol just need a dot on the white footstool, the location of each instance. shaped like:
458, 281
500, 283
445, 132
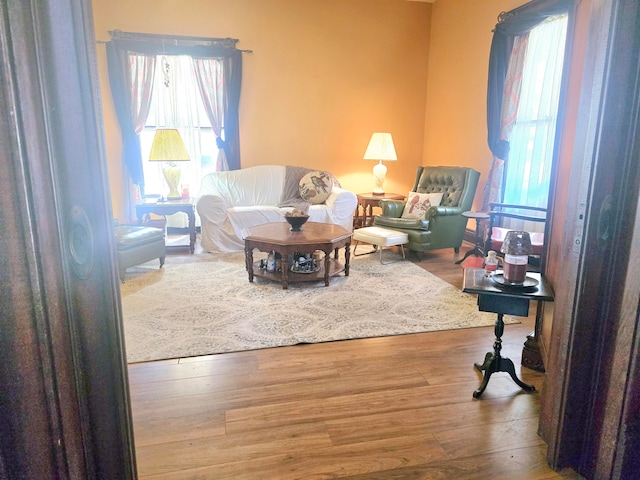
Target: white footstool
379, 237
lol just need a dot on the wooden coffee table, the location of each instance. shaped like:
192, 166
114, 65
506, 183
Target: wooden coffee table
314, 236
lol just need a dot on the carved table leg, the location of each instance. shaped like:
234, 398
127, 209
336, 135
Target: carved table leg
327, 263
347, 255
494, 362
248, 258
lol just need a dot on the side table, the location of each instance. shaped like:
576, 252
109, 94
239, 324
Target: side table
367, 201
478, 248
494, 297
170, 207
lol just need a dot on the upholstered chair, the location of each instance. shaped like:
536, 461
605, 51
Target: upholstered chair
443, 225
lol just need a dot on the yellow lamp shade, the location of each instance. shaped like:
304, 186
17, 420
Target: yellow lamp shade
168, 147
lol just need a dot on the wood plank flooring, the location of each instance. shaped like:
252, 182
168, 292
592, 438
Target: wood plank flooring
382, 408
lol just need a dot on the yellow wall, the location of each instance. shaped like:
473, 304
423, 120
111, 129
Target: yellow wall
456, 126
324, 75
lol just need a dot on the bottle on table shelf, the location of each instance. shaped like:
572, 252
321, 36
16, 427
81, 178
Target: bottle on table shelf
490, 263
271, 262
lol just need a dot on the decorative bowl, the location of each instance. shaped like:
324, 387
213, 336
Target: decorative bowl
296, 222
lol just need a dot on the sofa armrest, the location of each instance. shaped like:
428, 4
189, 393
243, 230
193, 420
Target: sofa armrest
212, 209
342, 202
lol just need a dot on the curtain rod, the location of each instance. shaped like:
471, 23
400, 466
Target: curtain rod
176, 39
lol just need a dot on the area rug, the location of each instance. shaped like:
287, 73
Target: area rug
208, 307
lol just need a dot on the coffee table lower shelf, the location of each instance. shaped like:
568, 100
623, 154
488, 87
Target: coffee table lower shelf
335, 267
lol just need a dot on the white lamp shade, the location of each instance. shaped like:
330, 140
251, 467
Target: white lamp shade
381, 148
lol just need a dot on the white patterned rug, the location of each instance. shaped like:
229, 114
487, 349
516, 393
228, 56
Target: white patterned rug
209, 306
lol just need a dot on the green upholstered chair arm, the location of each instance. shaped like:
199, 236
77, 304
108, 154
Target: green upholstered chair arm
443, 211
400, 223
392, 208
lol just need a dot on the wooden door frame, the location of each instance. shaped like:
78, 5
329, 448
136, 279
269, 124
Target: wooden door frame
585, 420
64, 403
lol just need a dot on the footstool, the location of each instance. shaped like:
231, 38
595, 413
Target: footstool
136, 245
379, 237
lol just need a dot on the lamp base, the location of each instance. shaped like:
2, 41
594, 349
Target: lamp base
379, 172
172, 177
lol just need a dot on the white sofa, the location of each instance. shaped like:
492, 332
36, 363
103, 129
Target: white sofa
230, 202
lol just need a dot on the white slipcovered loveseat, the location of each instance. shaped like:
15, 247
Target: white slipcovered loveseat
230, 202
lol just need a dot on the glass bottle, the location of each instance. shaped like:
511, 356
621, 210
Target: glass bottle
490, 263
271, 262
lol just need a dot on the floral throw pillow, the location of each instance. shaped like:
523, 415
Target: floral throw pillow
418, 204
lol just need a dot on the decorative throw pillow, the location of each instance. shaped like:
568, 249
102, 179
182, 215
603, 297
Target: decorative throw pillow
418, 204
290, 196
315, 187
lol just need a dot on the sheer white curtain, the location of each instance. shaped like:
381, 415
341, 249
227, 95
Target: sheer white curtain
210, 77
177, 103
532, 138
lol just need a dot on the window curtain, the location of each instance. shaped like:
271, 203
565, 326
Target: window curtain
176, 104
222, 103
209, 74
508, 114
131, 78
528, 174
124, 45
511, 25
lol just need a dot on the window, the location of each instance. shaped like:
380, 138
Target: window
217, 69
177, 103
528, 169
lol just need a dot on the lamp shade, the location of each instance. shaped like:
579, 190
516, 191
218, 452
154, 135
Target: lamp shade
168, 147
381, 148
517, 243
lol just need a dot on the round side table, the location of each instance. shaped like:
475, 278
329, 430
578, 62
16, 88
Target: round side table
478, 248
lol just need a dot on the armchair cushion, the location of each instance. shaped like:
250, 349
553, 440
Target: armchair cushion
418, 204
395, 223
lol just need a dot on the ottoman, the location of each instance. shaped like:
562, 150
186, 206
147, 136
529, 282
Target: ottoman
379, 237
136, 245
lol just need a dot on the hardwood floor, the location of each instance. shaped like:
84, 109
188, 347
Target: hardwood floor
382, 408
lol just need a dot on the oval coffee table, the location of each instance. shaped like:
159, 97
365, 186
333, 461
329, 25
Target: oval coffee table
314, 236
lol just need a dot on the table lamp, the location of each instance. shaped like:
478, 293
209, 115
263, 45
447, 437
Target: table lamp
380, 148
516, 248
168, 147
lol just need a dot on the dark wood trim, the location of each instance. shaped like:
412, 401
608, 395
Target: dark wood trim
584, 419
64, 403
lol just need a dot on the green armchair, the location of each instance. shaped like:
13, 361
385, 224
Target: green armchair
444, 225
